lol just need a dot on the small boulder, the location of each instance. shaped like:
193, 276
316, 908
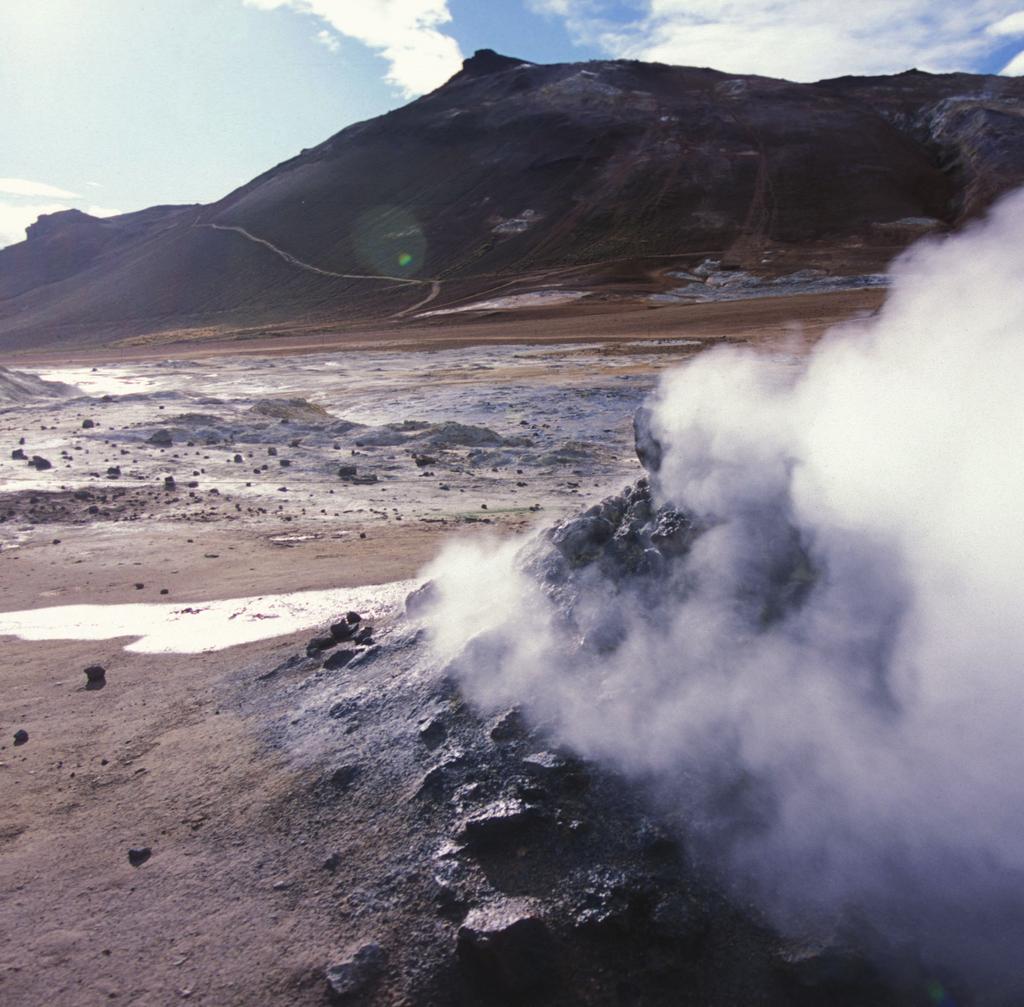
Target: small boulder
319, 644
138, 855
95, 674
88, 424
350, 979
18, 455
160, 439
21, 737
40, 464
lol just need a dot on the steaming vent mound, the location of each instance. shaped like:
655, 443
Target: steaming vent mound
800, 632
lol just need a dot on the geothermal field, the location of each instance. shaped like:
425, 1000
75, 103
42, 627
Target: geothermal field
555, 544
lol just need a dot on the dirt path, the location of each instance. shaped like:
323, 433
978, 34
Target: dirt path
292, 260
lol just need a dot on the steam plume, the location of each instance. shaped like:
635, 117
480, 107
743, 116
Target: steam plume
829, 682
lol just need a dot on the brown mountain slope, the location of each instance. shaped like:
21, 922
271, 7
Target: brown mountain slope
513, 177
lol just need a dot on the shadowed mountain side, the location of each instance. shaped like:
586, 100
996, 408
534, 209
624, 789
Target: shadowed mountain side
514, 176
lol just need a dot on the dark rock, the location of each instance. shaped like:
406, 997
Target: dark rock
87, 424
20, 737
433, 732
673, 532
95, 673
113, 471
343, 777
332, 863
506, 948
352, 618
138, 855
349, 980
648, 447
343, 630
496, 823
160, 439
364, 635
339, 659
271, 451
18, 455
169, 483
581, 540
40, 463
319, 644
347, 471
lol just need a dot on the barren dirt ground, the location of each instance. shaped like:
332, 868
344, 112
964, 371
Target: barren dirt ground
234, 906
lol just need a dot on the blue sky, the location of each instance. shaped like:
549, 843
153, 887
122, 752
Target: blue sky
112, 105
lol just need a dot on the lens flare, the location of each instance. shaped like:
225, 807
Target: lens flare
388, 239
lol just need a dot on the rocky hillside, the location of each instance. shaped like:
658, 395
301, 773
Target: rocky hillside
511, 178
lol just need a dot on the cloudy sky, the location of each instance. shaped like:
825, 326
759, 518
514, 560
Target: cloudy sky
112, 105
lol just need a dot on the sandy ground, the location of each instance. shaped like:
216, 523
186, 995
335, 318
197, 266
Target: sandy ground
234, 906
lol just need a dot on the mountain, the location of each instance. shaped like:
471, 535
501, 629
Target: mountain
603, 178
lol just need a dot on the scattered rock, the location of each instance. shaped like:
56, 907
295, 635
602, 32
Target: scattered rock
354, 976
345, 628
319, 644
95, 674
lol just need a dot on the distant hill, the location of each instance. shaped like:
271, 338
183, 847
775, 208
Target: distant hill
611, 179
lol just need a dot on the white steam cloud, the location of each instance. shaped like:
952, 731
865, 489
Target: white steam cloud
829, 684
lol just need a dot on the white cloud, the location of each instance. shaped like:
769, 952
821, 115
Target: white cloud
1015, 67
406, 33
800, 39
1012, 24
26, 187
328, 39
